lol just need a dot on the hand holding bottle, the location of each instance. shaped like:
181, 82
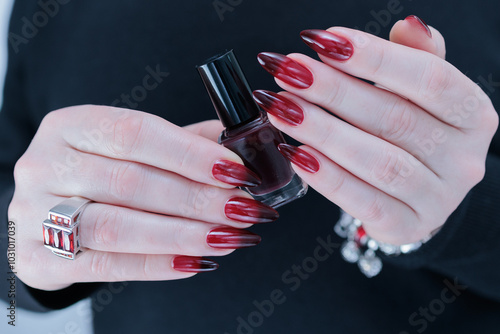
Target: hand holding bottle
401, 155
163, 197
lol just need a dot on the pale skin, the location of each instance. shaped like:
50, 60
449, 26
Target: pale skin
135, 228
376, 167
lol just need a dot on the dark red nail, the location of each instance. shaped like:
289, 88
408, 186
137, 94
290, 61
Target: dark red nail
235, 174
299, 157
328, 44
279, 106
248, 210
286, 69
418, 22
231, 238
193, 264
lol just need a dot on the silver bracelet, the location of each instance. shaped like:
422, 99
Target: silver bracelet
361, 249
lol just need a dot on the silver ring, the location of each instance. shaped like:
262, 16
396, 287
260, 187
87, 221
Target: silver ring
61, 231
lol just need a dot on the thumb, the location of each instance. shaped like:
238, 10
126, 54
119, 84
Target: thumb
415, 33
208, 129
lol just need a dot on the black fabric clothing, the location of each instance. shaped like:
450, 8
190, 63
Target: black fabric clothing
93, 51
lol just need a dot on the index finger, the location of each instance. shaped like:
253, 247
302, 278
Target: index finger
425, 79
141, 137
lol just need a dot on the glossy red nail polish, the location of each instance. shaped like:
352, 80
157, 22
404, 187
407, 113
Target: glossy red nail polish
279, 106
248, 210
299, 157
235, 174
328, 44
193, 264
249, 133
286, 69
231, 238
418, 22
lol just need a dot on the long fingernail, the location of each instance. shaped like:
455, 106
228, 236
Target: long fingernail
299, 157
286, 69
231, 238
279, 106
235, 174
248, 210
418, 22
328, 44
193, 264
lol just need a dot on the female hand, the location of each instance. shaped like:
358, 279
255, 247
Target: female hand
160, 191
400, 158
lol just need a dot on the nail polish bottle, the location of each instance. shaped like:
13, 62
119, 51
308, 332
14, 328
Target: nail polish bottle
249, 133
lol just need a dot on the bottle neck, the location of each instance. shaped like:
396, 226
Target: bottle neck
253, 122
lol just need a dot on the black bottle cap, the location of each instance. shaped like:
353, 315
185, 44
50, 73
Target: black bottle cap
228, 88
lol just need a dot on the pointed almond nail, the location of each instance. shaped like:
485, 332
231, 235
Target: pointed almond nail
248, 210
286, 69
193, 264
299, 157
231, 238
328, 44
279, 106
234, 174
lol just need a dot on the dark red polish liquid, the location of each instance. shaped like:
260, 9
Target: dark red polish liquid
249, 133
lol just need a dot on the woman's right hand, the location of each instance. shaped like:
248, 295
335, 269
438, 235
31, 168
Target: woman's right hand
164, 196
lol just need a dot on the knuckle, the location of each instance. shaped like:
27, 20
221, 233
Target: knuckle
327, 134
490, 119
100, 265
176, 240
124, 180
149, 268
51, 119
23, 170
336, 187
398, 121
334, 96
380, 61
474, 171
375, 213
197, 198
388, 167
125, 135
185, 162
106, 230
435, 80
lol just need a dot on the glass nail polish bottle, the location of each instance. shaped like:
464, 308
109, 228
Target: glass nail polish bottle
248, 131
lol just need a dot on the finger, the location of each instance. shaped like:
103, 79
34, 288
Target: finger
415, 33
384, 217
428, 81
373, 160
147, 188
97, 266
123, 230
208, 129
140, 137
374, 110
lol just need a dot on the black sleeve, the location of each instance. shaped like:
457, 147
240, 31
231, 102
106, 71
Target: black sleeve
468, 246
17, 128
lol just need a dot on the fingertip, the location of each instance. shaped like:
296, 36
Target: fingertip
413, 32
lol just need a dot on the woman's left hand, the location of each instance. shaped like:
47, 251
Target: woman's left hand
400, 155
